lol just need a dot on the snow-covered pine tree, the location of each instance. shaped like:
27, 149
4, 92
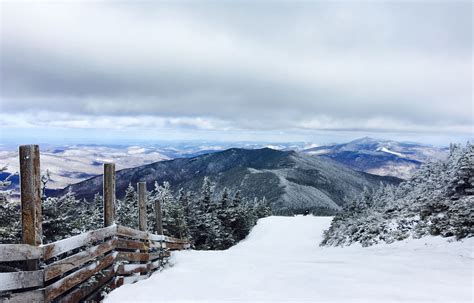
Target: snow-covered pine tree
87, 217
183, 201
437, 200
164, 195
10, 228
204, 226
224, 216
97, 212
127, 208
61, 217
150, 208
262, 208
462, 172
206, 195
184, 198
175, 220
243, 217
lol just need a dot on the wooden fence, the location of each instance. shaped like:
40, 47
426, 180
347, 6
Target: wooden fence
82, 267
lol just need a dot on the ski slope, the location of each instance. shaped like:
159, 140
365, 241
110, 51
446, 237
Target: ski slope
281, 261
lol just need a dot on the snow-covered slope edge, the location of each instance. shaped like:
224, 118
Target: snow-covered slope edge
438, 200
281, 261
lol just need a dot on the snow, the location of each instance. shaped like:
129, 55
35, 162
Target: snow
280, 261
386, 150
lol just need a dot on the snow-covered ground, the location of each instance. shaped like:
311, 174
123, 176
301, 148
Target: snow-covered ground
281, 261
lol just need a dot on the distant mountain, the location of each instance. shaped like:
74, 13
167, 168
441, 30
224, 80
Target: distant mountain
70, 164
292, 182
74, 163
380, 157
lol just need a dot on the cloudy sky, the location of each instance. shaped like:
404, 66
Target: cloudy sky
271, 71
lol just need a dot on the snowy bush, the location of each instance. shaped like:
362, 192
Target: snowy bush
438, 200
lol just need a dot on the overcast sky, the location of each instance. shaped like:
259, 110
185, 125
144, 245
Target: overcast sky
271, 71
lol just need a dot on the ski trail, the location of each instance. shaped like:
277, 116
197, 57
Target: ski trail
280, 261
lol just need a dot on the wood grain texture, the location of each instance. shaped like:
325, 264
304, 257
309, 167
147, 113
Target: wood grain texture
131, 233
159, 218
19, 252
142, 224
79, 293
62, 246
62, 266
56, 289
131, 244
30, 195
20, 279
109, 194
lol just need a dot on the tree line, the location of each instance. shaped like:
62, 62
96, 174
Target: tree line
209, 220
437, 200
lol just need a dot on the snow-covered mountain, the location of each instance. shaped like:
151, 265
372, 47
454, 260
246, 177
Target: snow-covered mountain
290, 181
69, 164
380, 157
74, 163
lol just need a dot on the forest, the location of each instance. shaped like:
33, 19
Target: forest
437, 200
209, 223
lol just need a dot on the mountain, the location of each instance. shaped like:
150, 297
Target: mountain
74, 163
291, 182
68, 164
380, 157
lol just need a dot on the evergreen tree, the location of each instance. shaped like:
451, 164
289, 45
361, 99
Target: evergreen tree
164, 195
184, 199
60, 217
97, 211
242, 217
175, 220
127, 209
226, 239
437, 200
87, 217
10, 228
206, 195
262, 209
151, 198
204, 226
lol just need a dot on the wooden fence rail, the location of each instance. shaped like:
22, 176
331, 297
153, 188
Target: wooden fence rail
82, 267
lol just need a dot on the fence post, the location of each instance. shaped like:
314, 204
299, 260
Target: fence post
109, 194
142, 206
159, 219
30, 192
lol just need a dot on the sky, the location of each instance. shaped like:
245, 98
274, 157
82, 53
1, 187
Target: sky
247, 70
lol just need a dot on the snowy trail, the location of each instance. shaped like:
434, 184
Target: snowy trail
281, 261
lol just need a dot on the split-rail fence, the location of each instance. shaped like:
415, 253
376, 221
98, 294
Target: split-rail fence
80, 268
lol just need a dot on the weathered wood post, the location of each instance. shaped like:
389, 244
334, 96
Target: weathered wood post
30, 191
109, 194
159, 219
142, 206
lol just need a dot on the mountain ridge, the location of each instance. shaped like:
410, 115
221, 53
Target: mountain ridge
290, 181
379, 156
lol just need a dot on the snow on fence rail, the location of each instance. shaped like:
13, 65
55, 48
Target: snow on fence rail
81, 267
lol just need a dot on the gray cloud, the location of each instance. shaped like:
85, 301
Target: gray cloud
396, 66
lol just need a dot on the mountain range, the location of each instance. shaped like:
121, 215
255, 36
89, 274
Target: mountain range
380, 157
68, 164
292, 182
